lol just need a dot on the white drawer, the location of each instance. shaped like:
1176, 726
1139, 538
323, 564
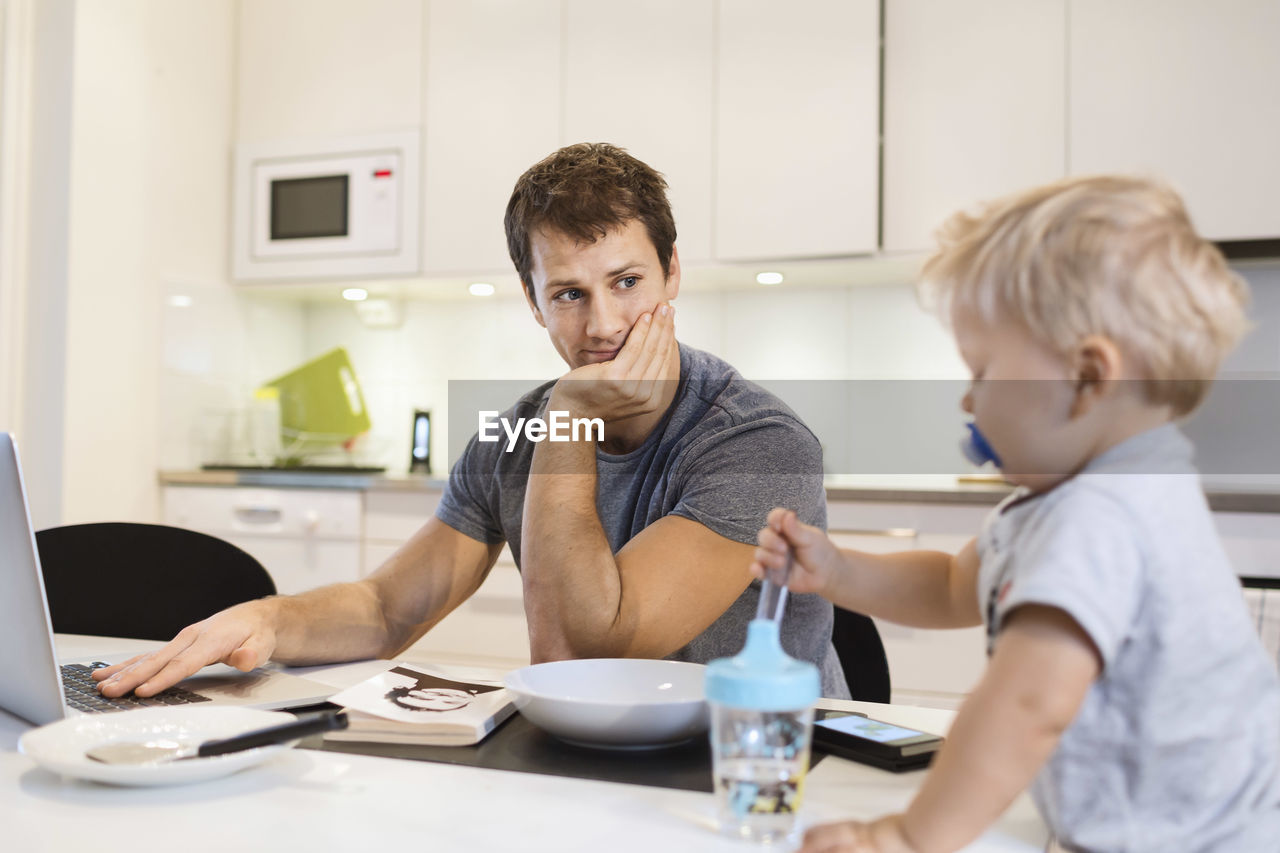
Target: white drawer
319, 513
886, 541
297, 565
1252, 542
926, 666
395, 516
490, 624
864, 517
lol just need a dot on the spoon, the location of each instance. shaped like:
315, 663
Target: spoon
160, 750
773, 591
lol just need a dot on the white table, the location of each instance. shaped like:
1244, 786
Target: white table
307, 801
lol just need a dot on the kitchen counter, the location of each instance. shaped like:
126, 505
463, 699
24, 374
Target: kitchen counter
299, 478
1262, 497
1238, 495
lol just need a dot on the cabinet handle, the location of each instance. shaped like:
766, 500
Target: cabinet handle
891, 532
251, 514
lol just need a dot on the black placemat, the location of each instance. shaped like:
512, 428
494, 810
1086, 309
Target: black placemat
520, 746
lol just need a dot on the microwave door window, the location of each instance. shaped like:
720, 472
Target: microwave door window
305, 208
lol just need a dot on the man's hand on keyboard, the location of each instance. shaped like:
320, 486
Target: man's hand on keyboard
242, 636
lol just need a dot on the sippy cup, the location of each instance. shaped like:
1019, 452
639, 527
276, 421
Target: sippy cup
761, 726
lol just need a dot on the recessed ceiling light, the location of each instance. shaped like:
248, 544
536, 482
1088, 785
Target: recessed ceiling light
769, 278
480, 288
355, 294
180, 300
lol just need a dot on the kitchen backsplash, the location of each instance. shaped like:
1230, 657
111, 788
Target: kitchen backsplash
221, 343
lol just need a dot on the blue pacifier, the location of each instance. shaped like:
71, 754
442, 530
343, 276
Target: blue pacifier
977, 449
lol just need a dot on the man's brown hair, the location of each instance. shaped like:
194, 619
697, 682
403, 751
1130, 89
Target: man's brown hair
584, 191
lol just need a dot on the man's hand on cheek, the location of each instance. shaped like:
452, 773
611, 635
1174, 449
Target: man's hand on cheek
632, 383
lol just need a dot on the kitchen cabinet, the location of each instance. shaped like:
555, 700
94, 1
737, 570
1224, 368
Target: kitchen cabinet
305, 538
938, 668
490, 626
974, 107
327, 68
1183, 90
797, 136
492, 110
723, 98
764, 116
934, 668
651, 94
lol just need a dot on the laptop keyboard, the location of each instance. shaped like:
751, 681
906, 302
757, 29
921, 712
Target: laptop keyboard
81, 692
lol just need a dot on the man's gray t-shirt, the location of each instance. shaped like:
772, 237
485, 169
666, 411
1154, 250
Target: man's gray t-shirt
726, 453
1177, 744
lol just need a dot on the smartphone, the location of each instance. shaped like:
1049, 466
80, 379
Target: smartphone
857, 737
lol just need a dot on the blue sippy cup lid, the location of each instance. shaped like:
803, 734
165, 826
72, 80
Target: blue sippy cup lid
977, 449
763, 677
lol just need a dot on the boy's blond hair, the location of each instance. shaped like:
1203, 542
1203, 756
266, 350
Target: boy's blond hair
1107, 255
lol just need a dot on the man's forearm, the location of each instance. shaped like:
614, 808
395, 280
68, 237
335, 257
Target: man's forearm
572, 588
333, 623
380, 615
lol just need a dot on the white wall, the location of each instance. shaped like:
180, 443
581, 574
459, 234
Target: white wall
217, 346
1235, 428
1259, 352
773, 335
150, 159
40, 42
826, 333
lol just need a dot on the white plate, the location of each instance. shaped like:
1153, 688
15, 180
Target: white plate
615, 703
60, 746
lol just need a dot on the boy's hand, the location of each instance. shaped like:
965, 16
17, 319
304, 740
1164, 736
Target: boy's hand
816, 557
882, 836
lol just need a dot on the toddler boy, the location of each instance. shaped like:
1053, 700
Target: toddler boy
1125, 683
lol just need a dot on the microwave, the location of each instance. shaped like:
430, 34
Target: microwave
327, 208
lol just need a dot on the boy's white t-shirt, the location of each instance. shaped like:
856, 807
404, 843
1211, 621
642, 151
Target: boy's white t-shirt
1177, 745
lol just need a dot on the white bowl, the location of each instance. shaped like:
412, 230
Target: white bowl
617, 703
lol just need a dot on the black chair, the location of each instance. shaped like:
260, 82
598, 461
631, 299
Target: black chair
1250, 582
861, 653
144, 581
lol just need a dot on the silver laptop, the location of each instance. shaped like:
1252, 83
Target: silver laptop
26, 632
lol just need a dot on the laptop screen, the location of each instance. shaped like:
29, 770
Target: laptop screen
26, 634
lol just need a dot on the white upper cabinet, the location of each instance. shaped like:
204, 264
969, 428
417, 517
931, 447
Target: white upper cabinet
765, 116
1184, 90
640, 76
492, 110
974, 107
797, 136
328, 68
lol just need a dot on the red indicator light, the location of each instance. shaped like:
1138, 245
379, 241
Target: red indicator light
382, 173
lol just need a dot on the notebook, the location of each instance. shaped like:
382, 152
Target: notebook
32, 688
408, 704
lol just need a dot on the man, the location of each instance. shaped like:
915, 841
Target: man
636, 545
